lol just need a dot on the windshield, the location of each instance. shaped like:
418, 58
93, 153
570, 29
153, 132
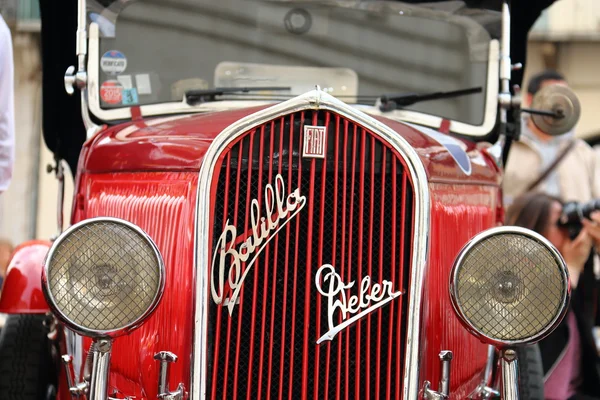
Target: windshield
156, 51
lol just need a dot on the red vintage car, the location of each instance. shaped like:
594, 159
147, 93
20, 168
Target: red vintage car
280, 199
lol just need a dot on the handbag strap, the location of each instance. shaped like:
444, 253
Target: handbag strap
552, 166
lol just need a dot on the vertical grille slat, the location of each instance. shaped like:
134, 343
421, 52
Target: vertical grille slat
242, 296
381, 243
266, 269
250, 392
220, 310
401, 300
287, 255
393, 263
296, 249
361, 207
316, 393
276, 264
357, 217
335, 233
235, 204
350, 260
343, 272
369, 258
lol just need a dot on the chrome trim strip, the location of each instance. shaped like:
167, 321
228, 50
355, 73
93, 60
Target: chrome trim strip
500, 231
509, 364
98, 333
312, 100
81, 35
91, 128
489, 120
74, 345
100, 370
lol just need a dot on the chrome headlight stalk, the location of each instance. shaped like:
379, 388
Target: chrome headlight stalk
509, 287
103, 278
165, 358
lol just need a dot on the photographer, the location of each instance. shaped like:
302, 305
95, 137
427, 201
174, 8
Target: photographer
561, 166
569, 355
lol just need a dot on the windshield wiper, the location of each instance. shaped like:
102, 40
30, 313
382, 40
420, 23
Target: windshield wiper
202, 95
392, 101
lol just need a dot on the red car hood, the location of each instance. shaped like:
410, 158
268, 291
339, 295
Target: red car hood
179, 143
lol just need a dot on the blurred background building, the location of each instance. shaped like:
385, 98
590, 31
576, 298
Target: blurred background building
565, 38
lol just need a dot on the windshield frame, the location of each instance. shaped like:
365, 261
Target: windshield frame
430, 120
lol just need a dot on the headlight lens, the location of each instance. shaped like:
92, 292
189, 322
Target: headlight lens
103, 276
510, 286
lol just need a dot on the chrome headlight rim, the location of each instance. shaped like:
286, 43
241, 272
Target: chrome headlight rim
112, 333
564, 303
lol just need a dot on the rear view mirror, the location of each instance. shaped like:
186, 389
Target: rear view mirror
557, 110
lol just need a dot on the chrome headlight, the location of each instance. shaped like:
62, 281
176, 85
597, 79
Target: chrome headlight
103, 277
510, 286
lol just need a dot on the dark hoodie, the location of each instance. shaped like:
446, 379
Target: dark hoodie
584, 303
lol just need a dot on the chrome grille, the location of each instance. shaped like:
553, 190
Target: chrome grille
358, 217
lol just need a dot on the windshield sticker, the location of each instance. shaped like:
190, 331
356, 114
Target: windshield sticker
130, 97
142, 81
111, 92
125, 81
368, 298
456, 148
113, 62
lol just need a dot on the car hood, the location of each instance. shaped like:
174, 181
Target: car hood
179, 143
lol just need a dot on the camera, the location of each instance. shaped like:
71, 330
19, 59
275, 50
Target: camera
574, 212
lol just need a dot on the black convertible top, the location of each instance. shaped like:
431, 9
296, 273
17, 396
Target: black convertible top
63, 128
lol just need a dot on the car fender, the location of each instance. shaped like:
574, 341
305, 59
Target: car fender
22, 290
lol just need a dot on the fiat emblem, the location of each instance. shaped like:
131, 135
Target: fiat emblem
315, 141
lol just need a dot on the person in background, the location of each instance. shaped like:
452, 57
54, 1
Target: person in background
569, 356
575, 178
7, 112
6, 250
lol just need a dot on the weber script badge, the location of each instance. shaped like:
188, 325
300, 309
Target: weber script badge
370, 297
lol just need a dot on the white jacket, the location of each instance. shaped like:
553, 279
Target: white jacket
578, 172
7, 109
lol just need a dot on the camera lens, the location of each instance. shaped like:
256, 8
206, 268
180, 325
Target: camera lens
572, 214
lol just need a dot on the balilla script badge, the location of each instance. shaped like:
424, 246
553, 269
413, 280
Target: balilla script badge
370, 297
279, 210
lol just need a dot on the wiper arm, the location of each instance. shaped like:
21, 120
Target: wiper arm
201, 95
393, 101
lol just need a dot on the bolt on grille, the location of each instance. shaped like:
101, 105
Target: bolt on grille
358, 218
103, 276
510, 287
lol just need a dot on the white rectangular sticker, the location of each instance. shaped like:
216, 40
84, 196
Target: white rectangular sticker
125, 81
142, 81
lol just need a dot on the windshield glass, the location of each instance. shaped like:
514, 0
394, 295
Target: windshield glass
154, 51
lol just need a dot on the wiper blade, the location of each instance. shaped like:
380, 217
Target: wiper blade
201, 95
392, 101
